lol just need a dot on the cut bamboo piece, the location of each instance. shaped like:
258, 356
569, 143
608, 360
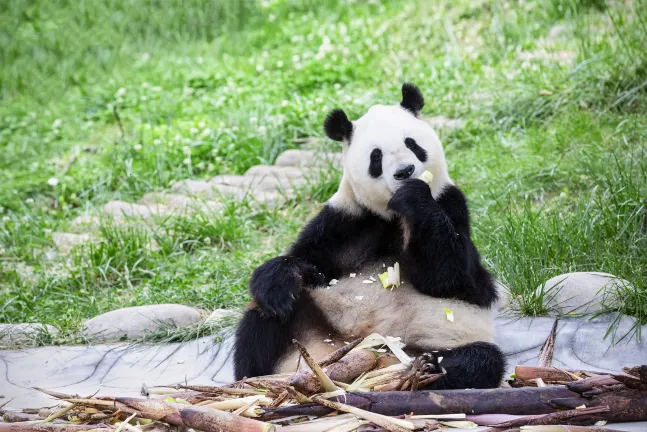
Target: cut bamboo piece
388, 423
345, 370
324, 379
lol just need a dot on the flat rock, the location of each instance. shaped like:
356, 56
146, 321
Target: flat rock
181, 204
290, 172
213, 191
120, 210
121, 369
581, 292
306, 158
86, 221
137, 321
260, 183
220, 314
580, 343
65, 241
24, 334
504, 301
112, 369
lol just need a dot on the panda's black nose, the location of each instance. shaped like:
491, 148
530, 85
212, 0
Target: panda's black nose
404, 172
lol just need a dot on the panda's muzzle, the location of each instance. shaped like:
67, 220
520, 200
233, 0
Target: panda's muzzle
404, 172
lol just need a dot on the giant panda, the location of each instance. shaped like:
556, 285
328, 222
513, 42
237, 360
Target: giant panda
381, 214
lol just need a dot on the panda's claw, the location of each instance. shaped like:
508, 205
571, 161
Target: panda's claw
429, 362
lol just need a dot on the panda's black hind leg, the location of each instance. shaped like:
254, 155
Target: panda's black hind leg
260, 342
476, 365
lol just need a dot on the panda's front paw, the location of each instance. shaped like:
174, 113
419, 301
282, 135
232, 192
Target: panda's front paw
276, 284
411, 198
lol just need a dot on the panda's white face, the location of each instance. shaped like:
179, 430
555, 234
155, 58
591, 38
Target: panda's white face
389, 145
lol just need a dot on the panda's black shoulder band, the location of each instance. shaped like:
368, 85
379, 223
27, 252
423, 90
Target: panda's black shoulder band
412, 99
337, 126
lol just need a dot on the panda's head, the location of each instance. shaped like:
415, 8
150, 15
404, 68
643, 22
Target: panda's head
384, 147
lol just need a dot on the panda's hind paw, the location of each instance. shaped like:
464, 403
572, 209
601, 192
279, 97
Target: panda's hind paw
429, 362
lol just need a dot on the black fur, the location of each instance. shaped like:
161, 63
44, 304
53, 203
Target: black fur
412, 99
478, 365
412, 145
337, 126
440, 260
375, 166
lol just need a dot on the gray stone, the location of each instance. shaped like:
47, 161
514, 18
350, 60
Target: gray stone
556, 32
581, 292
580, 343
214, 191
220, 314
308, 158
504, 300
181, 204
277, 171
193, 187
121, 369
65, 242
86, 222
116, 369
258, 183
442, 122
24, 334
135, 322
120, 210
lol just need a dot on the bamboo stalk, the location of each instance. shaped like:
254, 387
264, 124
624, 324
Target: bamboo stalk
325, 380
338, 354
388, 423
546, 353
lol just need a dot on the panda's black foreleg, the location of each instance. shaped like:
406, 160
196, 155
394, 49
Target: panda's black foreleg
439, 258
478, 365
277, 283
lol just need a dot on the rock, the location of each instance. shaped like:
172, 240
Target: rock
258, 183
135, 322
580, 342
24, 334
503, 302
115, 369
583, 292
121, 209
442, 122
25, 271
220, 314
181, 204
65, 242
193, 187
86, 222
305, 158
556, 31
277, 171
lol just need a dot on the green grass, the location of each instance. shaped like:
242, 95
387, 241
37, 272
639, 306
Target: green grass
117, 98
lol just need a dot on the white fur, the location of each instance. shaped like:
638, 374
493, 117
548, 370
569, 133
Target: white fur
355, 309
386, 127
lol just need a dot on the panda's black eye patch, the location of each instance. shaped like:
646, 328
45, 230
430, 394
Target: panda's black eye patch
375, 168
412, 145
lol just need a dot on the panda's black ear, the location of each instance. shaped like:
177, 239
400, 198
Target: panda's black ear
337, 126
412, 99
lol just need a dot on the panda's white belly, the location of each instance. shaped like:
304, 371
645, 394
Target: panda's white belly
356, 309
